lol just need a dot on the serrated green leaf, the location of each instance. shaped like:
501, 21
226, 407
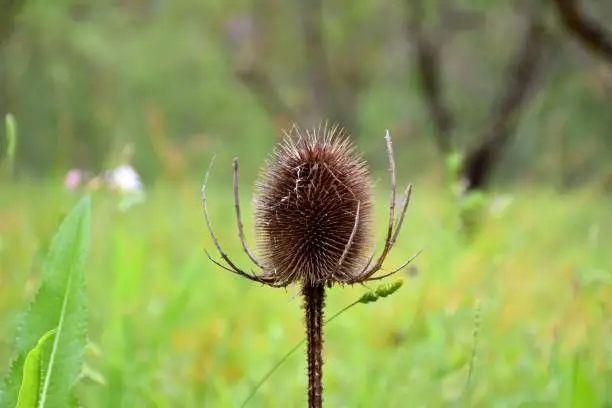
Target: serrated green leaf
59, 304
30, 384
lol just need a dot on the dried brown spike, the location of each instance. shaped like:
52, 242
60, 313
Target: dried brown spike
313, 209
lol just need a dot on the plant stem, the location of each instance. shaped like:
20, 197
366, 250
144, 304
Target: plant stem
314, 301
269, 373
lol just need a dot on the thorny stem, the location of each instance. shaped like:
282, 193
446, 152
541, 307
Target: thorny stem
314, 302
271, 371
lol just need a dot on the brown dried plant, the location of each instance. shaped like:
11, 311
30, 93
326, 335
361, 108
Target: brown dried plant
313, 223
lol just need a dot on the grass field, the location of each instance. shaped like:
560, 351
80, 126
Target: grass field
173, 330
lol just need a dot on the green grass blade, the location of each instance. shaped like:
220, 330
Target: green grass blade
472, 363
584, 392
59, 304
30, 385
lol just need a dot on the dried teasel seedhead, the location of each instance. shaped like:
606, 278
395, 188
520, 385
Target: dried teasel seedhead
313, 218
313, 209
313, 214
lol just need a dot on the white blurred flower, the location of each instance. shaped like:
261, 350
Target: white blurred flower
125, 179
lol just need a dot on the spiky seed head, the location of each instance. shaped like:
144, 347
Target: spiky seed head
313, 190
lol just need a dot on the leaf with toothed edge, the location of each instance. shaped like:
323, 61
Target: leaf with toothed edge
32, 369
59, 304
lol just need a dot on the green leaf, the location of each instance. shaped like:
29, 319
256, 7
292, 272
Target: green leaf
59, 304
30, 385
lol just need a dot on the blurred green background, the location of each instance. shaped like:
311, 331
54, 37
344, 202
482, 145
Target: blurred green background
504, 84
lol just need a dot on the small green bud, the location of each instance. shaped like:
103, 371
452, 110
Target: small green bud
368, 297
387, 289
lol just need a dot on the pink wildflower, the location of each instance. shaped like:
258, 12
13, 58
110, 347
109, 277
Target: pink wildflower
73, 179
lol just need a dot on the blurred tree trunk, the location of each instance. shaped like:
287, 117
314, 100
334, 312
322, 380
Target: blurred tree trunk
481, 159
587, 31
333, 96
521, 75
597, 41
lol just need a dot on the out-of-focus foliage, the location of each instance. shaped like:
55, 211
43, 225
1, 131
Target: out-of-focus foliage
84, 79
172, 329
163, 85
